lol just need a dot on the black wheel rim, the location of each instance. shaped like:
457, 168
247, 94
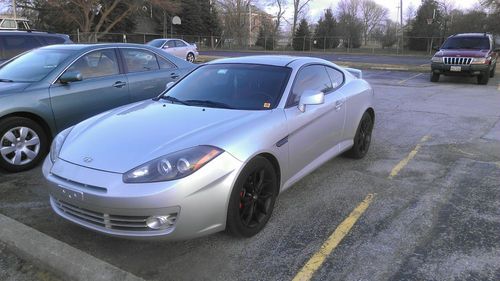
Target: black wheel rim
365, 135
256, 197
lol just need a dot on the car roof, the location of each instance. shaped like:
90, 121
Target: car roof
78, 47
29, 32
471, 35
275, 60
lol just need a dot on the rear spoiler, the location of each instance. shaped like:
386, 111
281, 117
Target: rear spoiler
356, 72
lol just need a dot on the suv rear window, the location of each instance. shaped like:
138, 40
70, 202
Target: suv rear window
15, 44
479, 43
51, 40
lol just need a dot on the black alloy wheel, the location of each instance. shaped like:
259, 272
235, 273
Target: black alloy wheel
362, 138
253, 197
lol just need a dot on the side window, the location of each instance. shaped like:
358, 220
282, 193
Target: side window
336, 76
313, 77
179, 43
97, 64
140, 60
51, 40
170, 44
165, 64
15, 45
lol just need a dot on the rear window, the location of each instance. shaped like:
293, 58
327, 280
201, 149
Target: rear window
478, 43
52, 40
16, 44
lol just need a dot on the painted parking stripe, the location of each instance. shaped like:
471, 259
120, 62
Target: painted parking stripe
408, 79
333, 241
406, 160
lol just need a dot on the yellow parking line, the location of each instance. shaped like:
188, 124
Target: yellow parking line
408, 79
333, 241
407, 159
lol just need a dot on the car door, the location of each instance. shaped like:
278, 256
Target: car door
147, 73
181, 49
169, 47
103, 87
317, 130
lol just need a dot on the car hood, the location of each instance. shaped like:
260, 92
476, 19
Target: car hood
462, 53
12, 87
124, 138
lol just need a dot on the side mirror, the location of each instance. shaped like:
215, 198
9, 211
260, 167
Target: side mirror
310, 97
70, 76
169, 85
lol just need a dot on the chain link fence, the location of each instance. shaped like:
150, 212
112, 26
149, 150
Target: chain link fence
389, 46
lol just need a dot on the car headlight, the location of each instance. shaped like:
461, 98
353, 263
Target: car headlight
437, 59
57, 143
173, 166
479, 61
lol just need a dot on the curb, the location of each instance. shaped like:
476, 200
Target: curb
56, 256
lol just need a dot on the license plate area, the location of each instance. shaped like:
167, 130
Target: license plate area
455, 68
70, 194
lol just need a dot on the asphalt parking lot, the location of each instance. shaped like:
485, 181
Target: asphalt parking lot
430, 185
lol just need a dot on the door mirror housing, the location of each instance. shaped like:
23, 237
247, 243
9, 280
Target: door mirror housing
169, 85
310, 97
70, 76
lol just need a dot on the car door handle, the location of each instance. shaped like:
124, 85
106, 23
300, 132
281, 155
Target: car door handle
119, 84
174, 75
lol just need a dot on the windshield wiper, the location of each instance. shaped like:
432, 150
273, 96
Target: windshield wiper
173, 100
6, 80
209, 103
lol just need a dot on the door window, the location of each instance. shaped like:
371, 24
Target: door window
313, 77
140, 60
179, 43
165, 64
170, 44
336, 76
97, 64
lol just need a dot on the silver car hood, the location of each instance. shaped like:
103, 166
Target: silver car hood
131, 135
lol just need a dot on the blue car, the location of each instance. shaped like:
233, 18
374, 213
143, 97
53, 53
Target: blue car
51, 88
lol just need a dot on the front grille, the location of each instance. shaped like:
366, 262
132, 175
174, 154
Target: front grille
128, 223
457, 61
82, 185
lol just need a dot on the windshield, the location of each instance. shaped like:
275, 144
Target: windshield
479, 43
156, 43
33, 66
236, 86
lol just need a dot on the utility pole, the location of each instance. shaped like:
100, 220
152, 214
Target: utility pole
402, 25
14, 8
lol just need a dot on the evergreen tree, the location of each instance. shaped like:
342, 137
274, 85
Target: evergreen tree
266, 37
191, 22
209, 18
302, 39
351, 29
326, 30
422, 30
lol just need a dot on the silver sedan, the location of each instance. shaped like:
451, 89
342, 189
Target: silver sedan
213, 151
176, 47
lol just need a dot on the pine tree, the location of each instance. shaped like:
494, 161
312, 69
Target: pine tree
326, 30
191, 22
422, 29
302, 39
209, 18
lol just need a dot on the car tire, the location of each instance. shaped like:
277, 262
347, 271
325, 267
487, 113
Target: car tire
190, 57
23, 144
252, 199
434, 77
483, 78
492, 72
362, 139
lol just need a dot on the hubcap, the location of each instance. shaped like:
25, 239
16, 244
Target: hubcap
19, 146
256, 198
190, 58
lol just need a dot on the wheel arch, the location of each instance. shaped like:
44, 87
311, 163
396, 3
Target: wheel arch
371, 111
36, 118
274, 161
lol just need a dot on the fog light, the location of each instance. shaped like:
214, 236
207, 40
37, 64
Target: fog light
161, 222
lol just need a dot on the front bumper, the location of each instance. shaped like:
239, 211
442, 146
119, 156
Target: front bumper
100, 201
466, 70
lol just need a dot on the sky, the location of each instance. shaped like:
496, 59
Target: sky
316, 7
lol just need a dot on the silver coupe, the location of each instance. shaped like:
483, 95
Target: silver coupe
213, 151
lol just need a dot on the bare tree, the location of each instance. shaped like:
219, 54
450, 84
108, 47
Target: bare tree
94, 18
298, 8
235, 18
280, 5
372, 14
